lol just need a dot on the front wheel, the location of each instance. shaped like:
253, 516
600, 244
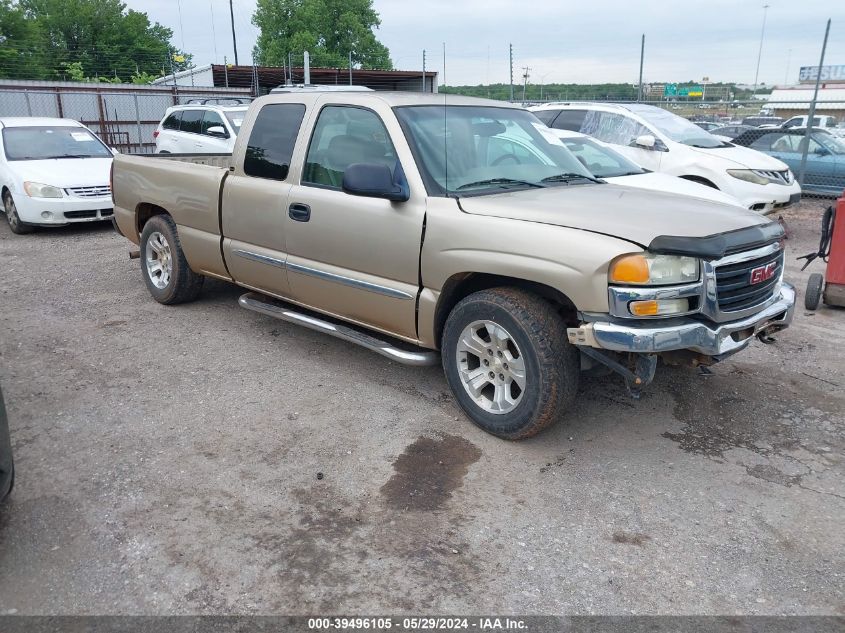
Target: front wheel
12, 217
166, 272
508, 362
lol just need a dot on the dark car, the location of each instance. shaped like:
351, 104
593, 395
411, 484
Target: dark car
730, 131
825, 170
7, 466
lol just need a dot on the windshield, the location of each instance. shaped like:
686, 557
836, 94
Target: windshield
601, 161
236, 119
477, 150
42, 143
678, 129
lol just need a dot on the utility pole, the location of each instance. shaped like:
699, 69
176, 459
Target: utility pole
642, 57
511, 68
423, 77
350, 68
812, 109
234, 39
524, 81
760, 51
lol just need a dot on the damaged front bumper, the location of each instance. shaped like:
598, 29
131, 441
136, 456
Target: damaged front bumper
685, 333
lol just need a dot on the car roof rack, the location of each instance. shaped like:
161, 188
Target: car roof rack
219, 101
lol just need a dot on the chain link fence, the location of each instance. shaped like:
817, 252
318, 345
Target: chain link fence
124, 118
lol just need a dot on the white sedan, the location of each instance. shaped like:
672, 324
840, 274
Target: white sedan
52, 172
612, 166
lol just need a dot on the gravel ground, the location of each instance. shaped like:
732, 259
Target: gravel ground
205, 459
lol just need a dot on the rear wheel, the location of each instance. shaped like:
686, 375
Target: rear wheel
813, 296
18, 227
166, 272
508, 362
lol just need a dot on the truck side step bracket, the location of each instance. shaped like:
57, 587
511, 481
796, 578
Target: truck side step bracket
407, 354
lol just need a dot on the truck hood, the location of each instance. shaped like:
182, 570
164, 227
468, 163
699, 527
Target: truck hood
743, 157
635, 215
64, 172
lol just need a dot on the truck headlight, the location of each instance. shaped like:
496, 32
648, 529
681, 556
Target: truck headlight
748, 175
40, 190
649, 269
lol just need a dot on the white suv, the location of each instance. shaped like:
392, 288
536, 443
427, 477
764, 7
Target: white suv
664, 142
200, 128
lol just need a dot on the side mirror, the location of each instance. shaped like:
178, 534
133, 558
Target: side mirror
821, 151
373, 180
646, 141
217, 130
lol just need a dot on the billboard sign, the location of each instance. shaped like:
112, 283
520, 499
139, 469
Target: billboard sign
808, 74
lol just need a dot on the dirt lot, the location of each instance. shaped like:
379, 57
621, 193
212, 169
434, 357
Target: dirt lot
206, 459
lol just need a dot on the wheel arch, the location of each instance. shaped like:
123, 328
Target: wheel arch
701, 180
461, 285
144, 211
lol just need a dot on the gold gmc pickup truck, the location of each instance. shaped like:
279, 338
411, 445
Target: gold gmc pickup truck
459, 231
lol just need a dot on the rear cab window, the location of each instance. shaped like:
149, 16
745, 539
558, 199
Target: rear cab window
271, 142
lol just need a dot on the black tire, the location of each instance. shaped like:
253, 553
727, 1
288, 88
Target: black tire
551, 363
183, 284
813, 296
11, 211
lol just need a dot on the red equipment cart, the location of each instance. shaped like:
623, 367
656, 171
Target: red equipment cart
829, 287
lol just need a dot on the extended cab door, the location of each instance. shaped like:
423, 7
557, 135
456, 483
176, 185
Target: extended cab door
353, 256
254, 201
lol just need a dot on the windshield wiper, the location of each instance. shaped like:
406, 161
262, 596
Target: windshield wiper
73, 156
503, 182
569, 176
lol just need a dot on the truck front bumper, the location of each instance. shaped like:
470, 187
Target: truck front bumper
686, 333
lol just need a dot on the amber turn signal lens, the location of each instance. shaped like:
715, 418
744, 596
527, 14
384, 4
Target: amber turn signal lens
660, 307
631, 269
644, 308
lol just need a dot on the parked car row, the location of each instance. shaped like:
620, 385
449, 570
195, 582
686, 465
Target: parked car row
46, 181
661, 141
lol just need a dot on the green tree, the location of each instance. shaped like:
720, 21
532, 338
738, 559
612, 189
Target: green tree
101, 39
328, 29
18, 60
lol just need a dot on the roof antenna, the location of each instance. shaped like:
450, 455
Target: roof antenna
445, 127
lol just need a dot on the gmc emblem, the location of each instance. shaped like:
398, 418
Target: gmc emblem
763, 273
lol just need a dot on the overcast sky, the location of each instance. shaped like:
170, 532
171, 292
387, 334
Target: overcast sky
560, 40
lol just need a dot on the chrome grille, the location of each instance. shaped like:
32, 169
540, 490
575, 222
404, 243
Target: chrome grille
734, 290
95, 191
778, 177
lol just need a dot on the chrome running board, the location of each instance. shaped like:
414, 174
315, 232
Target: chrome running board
275, 308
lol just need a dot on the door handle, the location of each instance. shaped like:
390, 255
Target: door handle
299, 212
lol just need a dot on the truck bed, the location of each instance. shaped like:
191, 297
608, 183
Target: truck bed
187, 187
213, 160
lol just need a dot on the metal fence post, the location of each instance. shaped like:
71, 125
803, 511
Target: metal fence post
28, 103
803, 168
138, 121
